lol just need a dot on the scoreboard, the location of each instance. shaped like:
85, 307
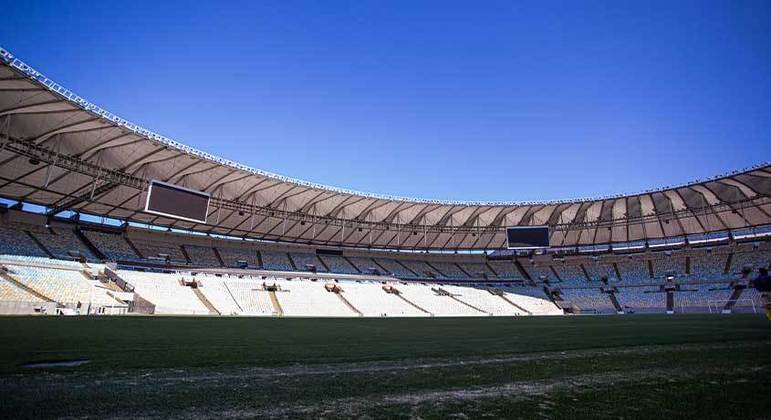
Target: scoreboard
177, 202
527, 237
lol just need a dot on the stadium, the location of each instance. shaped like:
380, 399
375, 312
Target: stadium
143, 277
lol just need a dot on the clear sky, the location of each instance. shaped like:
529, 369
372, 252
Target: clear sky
466, 100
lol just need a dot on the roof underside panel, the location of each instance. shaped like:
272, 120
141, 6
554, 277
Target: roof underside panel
68, 154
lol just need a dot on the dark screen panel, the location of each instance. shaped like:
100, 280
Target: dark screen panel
180, 203
528, 237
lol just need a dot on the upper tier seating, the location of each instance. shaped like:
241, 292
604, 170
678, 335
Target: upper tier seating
276, 261
537, 271
113, 246
591, 299
598, 270
476, 270
422, 269
506, 270
338, 264
450, 270
536, 292
634, 272
364, 264
668, 264
202, 255
708, 267
303, 260
63, 243
157, 249
642, 299
571, 274
232, 255
395, 268
754, 259
15, 241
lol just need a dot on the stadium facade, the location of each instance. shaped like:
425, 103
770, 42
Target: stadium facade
274, 245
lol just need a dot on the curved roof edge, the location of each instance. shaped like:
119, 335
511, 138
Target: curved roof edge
76, 99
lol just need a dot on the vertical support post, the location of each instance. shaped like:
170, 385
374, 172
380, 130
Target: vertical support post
7, 131
219, 205
315, 219
251, 215
425, 233
284, 223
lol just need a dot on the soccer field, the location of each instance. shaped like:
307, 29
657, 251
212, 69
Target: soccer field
688, 366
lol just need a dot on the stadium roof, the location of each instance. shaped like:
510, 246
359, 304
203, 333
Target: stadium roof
63, 152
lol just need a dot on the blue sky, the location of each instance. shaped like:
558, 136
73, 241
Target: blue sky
447, 100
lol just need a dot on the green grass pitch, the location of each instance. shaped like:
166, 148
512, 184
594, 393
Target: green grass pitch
641, 366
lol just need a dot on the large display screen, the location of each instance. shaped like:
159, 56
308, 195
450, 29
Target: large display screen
527, 237
180, 203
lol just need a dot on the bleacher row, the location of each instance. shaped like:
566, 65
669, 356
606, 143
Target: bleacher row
65, 242
696, 298
705, 277
251, 296
35, 280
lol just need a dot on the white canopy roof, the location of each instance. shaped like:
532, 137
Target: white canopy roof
63, 152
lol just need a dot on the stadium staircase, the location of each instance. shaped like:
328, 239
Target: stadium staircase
230, 293
276, 305
733, 299
40, 244
377, 264
218, 256
259, 258
510, 302
323, 264
436, 269
614, 301
133, 247
349, 304
409, 269
411, 303
20, 285
205, 301
86, 274
455, 298
617, 271
522, 272
291, 261
185, 254
352, 264
587, 277
463, 270
650, 269
728, 263
489, 267
91, 247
